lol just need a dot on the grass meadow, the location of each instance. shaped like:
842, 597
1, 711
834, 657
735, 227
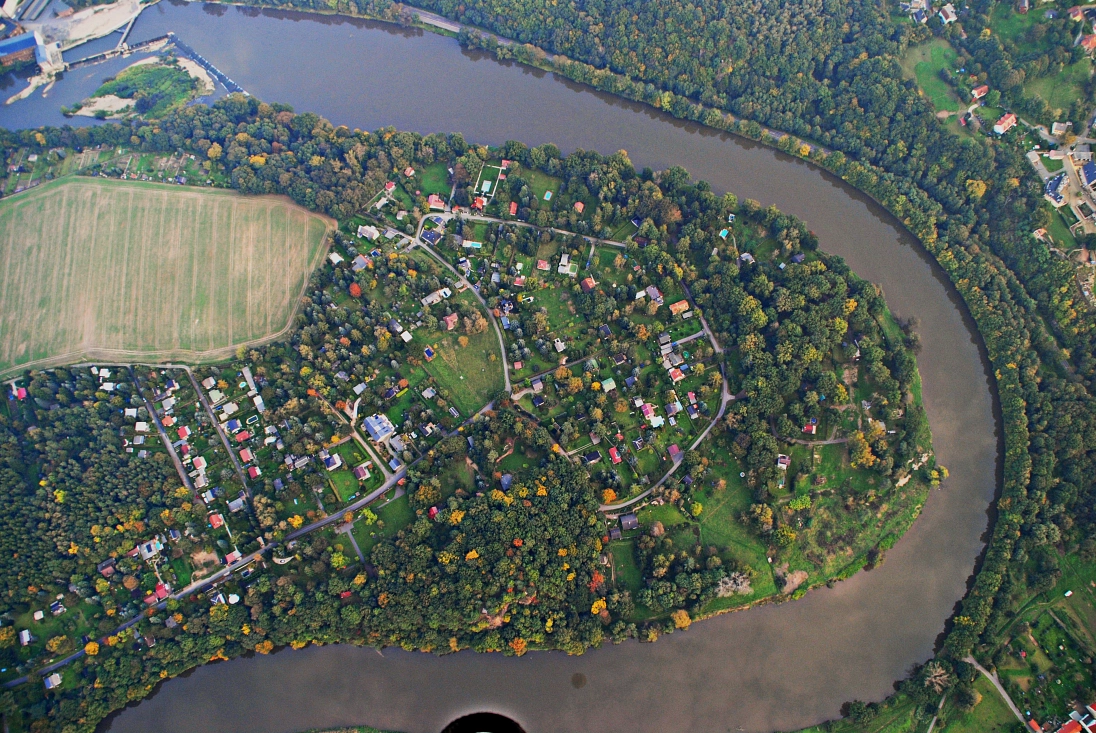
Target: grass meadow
109, 269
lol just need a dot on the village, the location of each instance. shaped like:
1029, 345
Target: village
465, 307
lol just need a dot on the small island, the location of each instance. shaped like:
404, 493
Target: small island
149, 88
527, 401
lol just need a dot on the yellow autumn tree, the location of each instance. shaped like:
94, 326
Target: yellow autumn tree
681, 619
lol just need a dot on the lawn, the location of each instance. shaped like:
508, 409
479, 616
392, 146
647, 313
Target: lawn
1053, 166
991, 715
467, 373
1059, 230
97, 268
1059, 90
924, 64
435, 179
395, 515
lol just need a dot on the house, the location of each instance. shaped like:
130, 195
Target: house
1023, 7
591, 458
1008, 121
359, 263
654, 294
588, 284
209, 383
450, 321
428, 354
54, 680
676, 375
479, 203
435, 202
390, 186
429, 393
216, 521
675, 453
1088, 173
692, 412
614, 454
580, 207
647, 410
979, 92
679, 307
672, 408
184, 433
379, 427
150, 549
513, 208
408, 171
604, 331
361, 473
538, 401
783, 461
369, 232
233, 425
237, 504
810, 429
246, 455
242, 436
25, 638
608, 385
614, 533
335, 258
629, 522
1052, 191
406, 337
1060, 128
1088, 43
947, 14
200, 463
543, 265
22, 47
519, 281
560, 346
107, 568
1076, 13
254, 472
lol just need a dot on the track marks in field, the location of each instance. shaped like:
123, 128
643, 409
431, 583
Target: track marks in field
93, 266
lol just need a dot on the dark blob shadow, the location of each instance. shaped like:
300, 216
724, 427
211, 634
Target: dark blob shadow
483, 723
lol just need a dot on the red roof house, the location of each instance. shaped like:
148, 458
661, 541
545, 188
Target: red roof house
614, 454
1088, 43
450, 321
579, 206
184, 433
390, 187
216, 521
246, 455
254, 472
479, 203
21, 393
242, 436
435, 202
513, 208
588, 284
1076, 13
1008, 121
979, 92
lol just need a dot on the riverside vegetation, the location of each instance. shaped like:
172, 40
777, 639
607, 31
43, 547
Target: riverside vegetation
496, 543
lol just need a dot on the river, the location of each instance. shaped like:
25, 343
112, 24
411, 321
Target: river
772, 667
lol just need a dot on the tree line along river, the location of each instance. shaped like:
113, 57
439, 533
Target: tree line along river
771, 667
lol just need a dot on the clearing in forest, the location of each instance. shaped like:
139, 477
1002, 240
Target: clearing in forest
114, 270
924, 64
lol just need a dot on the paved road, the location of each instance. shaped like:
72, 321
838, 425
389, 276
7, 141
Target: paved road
163, 433
217, 426
996, 683
460, 278
726, 399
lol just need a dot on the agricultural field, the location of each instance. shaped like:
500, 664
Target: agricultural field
112, 269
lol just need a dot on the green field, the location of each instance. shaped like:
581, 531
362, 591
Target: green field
1060, 89
924, 64
105, 269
